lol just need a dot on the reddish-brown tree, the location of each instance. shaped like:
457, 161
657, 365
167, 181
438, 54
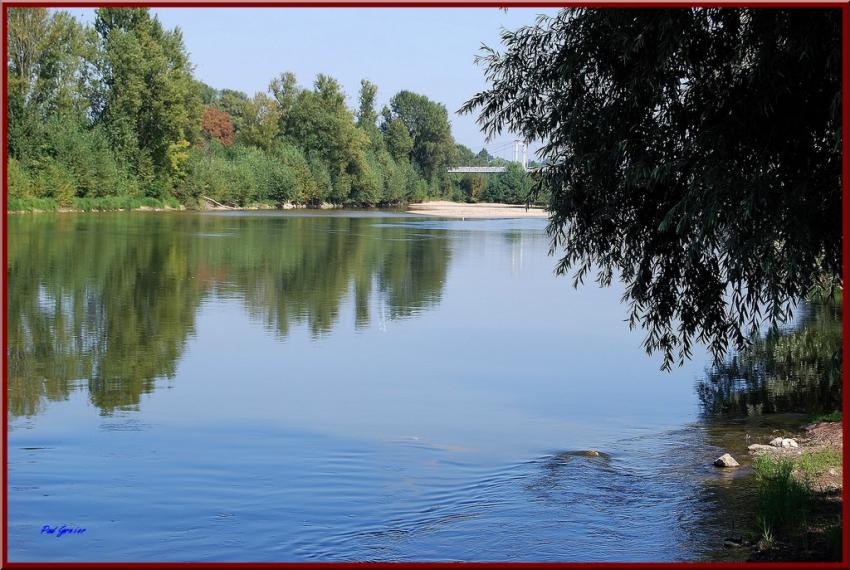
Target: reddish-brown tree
216, 124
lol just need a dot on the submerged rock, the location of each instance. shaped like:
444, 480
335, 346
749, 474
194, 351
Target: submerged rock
725, 460
583, 453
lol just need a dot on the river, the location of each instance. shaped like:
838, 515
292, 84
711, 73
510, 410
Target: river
341, 386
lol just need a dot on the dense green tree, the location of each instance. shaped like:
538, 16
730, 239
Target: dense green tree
319, 122
285, 90
148, 101
472, 186
259, 122
465, 156
428, 126
233, 103
366, 115
694, 152
209, 95
484, 157
513, 186
109, 115
396, 136
45, 71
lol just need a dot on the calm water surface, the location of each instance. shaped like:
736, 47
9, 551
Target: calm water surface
338, 386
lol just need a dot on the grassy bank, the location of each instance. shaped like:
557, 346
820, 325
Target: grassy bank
113, 203
106, 203
798, 503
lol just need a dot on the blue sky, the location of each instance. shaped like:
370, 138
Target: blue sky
430, 51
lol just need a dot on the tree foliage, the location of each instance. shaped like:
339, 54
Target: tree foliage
695, 153
148, 99
259, 124
216, 125
46, 60
427, 124
112, 112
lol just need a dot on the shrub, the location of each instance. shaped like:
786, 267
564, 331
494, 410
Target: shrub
86, 154
19, 182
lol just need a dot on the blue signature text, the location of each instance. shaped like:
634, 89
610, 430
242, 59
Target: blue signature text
58, 531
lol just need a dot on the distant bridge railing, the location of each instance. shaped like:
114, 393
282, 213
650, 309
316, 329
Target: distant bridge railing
485, 169
476, 169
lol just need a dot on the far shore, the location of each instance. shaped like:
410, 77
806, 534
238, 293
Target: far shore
95, 210
437, 208
446, 209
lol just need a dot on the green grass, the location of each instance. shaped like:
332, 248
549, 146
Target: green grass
816, 462
789, 510
104, 203
783, 502
31, 204
830, 417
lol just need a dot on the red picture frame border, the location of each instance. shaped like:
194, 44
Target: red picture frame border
844, 6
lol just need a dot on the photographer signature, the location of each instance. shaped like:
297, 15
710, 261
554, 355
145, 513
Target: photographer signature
58, 531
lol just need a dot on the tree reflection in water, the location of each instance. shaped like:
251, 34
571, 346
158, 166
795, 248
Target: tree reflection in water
109, 301
793, 370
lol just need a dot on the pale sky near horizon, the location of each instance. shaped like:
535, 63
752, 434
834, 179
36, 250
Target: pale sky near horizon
427, 50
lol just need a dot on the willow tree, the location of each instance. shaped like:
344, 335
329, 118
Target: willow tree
693, 153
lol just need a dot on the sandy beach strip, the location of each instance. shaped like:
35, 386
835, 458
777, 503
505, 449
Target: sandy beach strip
447, 209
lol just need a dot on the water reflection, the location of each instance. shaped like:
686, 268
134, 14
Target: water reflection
797, 370
109, 301
769, 389
315, 436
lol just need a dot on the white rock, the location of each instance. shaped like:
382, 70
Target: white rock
725, 460
788, 442
760, 447
777, 442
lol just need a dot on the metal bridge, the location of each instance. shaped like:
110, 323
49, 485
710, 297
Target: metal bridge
496, 169
477, 169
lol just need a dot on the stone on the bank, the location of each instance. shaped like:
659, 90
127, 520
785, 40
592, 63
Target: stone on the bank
760, 447
725, 460
776, 442
784, 442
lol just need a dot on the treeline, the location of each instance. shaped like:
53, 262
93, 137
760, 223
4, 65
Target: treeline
111, 116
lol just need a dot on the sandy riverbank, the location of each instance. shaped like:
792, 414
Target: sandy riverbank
480, 210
